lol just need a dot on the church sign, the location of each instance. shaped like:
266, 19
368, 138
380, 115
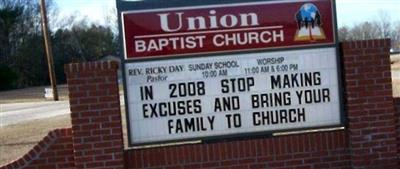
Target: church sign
229, 70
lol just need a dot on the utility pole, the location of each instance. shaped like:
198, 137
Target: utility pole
49, 52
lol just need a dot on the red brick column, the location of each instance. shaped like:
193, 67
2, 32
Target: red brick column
95, 115
371, 117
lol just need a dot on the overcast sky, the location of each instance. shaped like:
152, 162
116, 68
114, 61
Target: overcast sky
349, 12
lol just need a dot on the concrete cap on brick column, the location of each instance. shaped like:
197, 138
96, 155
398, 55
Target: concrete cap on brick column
90, 66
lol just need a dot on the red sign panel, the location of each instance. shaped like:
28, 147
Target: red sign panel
227, 28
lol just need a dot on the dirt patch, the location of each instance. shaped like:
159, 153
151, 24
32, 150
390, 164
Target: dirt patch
16, 140
396, 87
395, 64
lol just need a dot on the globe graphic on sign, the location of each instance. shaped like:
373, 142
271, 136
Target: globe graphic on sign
309, 23
308, 12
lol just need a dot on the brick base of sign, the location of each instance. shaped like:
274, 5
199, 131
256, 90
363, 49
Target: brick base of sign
316, 150
371, 138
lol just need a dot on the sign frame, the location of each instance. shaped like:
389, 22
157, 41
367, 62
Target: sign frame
125, 6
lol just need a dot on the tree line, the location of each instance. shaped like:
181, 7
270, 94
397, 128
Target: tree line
22, 55
380, 28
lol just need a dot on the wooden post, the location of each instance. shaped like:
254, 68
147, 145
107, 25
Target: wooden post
49, 52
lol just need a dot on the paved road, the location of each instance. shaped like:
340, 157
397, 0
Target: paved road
14, 113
